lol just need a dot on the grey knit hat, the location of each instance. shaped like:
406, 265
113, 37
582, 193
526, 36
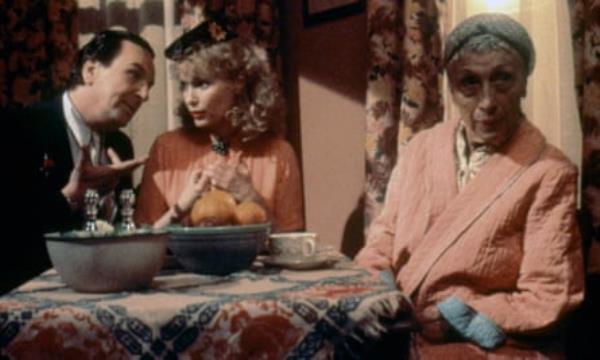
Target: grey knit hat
491, 25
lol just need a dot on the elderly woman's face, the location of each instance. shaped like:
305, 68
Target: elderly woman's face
487, 88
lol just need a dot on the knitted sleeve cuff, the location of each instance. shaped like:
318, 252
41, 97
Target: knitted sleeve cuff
387, 278
472, 325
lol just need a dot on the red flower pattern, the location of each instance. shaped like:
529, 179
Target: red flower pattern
69, 332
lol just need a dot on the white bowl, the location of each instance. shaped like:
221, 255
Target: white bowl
107, 262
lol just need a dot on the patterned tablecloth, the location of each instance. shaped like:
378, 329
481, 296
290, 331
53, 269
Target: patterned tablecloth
264, 313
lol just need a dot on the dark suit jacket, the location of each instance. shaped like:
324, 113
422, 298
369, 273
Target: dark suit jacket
39, 163
54, 159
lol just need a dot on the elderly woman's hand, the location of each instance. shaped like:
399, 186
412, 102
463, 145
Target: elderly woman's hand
433, 326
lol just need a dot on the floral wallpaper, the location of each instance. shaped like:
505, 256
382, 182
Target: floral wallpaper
586, 41
38, 43
404, 85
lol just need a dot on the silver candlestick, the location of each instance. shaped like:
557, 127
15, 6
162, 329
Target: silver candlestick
127, 200
91, 201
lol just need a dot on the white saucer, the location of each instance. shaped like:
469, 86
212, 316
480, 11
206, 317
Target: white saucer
309, 263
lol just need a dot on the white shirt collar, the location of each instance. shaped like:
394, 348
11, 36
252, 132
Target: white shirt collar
78, 130
81, 131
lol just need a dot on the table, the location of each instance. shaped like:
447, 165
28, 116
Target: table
265, 313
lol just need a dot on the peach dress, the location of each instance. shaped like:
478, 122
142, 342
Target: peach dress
174, 155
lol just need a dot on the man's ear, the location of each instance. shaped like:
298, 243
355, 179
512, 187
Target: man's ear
88, 72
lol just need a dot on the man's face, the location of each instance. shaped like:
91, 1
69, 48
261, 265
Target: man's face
487, 89
120, 88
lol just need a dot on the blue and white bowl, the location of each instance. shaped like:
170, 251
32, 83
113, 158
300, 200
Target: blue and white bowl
217, 250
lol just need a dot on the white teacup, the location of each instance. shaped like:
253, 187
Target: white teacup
293, 245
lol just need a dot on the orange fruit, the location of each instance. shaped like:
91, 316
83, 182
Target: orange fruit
215, 208
250, 212
221, 195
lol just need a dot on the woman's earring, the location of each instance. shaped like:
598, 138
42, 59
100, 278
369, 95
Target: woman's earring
234, 115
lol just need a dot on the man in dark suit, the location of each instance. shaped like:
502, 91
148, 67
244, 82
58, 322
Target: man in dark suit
72, 144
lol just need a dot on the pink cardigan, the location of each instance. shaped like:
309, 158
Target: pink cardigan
507, 245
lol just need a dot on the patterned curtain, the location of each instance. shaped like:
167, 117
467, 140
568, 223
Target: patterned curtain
586, 42
404, 85
38, 43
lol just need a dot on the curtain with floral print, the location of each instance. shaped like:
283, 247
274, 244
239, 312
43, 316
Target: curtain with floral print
38, 43
586, 41
404, 85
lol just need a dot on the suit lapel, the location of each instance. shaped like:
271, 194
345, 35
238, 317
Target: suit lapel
498, 174
56, 142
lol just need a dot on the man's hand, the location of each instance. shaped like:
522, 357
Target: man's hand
124, 167
103, 178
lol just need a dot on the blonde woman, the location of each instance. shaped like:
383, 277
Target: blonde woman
231, 113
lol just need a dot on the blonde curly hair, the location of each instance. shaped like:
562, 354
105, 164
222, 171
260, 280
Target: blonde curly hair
260, 109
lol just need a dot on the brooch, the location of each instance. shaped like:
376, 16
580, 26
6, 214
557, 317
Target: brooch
219, 146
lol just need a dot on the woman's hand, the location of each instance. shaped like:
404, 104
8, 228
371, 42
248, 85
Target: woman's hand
196, 185
433, 326
233, 177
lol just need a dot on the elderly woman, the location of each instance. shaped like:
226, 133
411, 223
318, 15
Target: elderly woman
478, 226
232, 112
